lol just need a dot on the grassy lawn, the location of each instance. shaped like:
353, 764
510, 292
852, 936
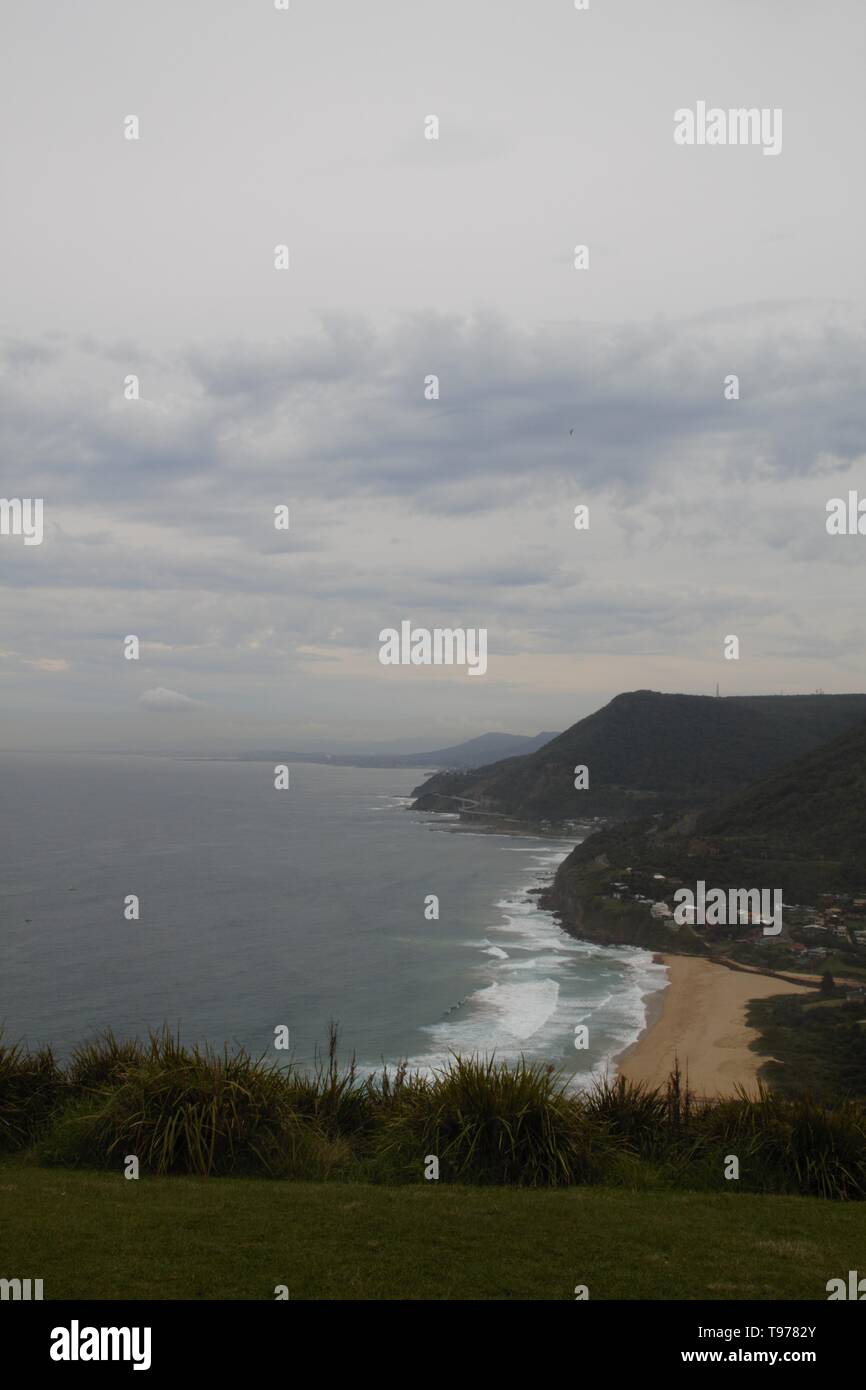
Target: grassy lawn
97, 1235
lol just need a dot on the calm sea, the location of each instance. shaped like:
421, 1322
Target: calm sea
262, 908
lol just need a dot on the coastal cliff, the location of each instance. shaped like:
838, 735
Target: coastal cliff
575, 897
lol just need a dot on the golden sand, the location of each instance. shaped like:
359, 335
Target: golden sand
701, 1019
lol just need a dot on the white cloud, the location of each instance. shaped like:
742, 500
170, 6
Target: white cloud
167, 701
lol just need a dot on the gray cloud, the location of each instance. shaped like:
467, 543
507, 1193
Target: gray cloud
411, 258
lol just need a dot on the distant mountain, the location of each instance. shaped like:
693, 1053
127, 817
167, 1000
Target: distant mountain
486, 748
802, 829
648, 753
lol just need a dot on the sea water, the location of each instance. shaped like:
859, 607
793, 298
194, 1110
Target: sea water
262, 908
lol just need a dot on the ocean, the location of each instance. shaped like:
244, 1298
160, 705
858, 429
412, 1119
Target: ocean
262, 908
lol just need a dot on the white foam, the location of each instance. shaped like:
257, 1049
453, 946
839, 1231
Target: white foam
497, 1019
537, 962
519, 1010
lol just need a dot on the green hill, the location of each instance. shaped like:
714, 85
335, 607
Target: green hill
802, 828
813, 807
648, 753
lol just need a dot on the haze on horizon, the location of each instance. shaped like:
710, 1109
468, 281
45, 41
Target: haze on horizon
412, 257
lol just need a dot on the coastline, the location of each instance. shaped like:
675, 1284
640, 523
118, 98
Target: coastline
699, 1018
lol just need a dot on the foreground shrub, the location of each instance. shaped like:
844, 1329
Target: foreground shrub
791, 1145
197, 1111
104, 1060
488, 1122
31, 1087
338, 1102
629, 1110
180, 1111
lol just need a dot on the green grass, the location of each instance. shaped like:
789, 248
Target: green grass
98, 1236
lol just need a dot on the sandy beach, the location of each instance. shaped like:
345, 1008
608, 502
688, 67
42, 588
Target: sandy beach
701, 1019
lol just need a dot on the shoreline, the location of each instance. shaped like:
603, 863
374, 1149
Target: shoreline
699, 1019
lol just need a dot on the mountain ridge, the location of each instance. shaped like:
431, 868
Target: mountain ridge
647, 752
472, 753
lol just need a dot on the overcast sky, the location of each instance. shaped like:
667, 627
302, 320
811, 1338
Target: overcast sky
411, 257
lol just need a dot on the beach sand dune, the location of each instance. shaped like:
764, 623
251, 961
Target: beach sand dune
701, 1020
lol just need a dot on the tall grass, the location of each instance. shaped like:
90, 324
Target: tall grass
195, 1110
630, 1111
792, 1144
31, 1087
103, 1060
334, 1097
184, 1111
487, 1122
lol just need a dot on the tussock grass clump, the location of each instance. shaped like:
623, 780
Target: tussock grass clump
791, 1144
104, 1060
31, 1085
187, 1111
630, 1111
826, 1149
488, 1122
334, 1097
